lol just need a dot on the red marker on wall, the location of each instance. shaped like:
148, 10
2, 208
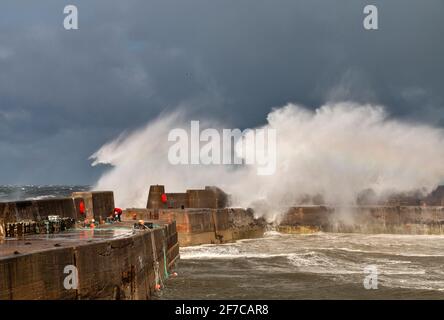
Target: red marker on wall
82, 208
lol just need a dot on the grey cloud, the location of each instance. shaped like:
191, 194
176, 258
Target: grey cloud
63, 94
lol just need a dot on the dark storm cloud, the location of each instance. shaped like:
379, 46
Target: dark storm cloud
64, 93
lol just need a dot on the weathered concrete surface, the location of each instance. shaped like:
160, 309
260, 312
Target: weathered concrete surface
34, 210
201, 226
201, 215
98, 204
154, 197
140, 214
365, 219
210, 197
116, 267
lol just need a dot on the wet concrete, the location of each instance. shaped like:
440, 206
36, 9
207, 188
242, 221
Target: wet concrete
113, 262
364, 219
197, 226
75, 237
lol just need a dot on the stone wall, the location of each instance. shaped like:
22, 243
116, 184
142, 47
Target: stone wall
154, 197
307, 216
201, 226
201, 199
210, 197
36, 276
114, 269
140, 214
35, 210
366, 219
177, 200
98, 204
57, 207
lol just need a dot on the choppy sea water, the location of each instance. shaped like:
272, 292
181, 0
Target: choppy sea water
33, 192
316, 266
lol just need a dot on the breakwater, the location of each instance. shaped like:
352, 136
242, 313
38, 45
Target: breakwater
107, 261
202, 216
364, 219
206, 225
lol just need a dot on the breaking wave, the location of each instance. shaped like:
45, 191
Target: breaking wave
356, 147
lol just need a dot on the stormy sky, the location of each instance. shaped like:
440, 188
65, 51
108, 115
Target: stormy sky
63, 94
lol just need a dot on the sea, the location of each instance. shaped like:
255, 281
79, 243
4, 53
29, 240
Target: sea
312, 266
37, 192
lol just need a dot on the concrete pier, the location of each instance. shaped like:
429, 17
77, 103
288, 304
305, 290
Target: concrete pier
112, 261
111, 264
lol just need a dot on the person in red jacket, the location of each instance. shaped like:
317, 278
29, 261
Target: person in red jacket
117, 214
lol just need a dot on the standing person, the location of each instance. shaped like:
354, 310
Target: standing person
117, 214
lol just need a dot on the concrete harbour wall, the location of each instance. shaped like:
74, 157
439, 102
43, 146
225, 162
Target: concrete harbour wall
36, 210
119, 268
210, 197
204, 225
365, 219
113, 261
98, 205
